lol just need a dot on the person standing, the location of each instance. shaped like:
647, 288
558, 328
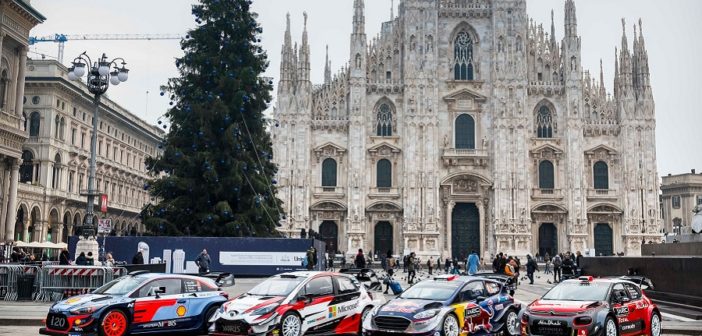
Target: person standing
138, 258
63, 258
203, 262
410, 268
531, 268
391, 263
360, 260
557, 263
430, 264
80, 261
309, 254
473, 263
447, 265
578, 259
90, 261
109, 260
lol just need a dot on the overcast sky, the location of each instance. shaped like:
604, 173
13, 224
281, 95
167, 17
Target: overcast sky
671, 30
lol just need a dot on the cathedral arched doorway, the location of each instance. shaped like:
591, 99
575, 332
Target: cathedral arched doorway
383, 238
548, 239
329, 233
465, 230
603, 240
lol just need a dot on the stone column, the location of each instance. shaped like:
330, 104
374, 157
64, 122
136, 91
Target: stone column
5, 175
12, 203
25, 229
449, 218
20, 80
40, 231
2, 37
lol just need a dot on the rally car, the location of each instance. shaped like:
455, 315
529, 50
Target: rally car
140, 303
298, 303
450, 306
588, 306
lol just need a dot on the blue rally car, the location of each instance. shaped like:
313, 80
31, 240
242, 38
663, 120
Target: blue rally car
448, 306
140, 303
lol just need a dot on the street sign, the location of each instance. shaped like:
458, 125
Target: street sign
103, 203
104, 225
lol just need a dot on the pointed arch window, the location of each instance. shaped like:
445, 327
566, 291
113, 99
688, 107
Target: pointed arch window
34, 120
58, 127
544, 123
463, 57
27, 167
546, 180
3, 88
384, 174
601, 175
384, 123
329, 173
56, 176
465, 132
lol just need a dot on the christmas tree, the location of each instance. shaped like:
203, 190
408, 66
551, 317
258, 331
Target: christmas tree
215, 176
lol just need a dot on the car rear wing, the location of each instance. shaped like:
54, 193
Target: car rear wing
506, 280
222, 279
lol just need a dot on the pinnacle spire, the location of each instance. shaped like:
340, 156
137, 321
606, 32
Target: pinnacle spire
571, 20
304, 30
625, 43
392, 9
359, 19
603, 92
327, 68
553, 30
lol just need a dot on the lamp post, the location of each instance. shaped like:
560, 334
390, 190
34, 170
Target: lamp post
99, 78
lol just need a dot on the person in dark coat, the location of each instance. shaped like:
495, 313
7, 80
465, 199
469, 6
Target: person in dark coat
532, 267
360, 260
203, 262
310, 255
138, 259
63, 258
81, 260
90, 261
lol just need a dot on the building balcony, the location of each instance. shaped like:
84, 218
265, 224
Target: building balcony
329, 192
602, 195
546, 194
386, 193
465, 157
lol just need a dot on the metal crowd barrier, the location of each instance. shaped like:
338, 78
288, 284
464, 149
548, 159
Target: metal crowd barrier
58, 282
10, 275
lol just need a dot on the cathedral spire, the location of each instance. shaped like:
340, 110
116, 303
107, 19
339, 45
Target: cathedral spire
603, 92
359, 19
304, 56
287, 62
392, 9
553, 31
327, 68
571, 20
616, 73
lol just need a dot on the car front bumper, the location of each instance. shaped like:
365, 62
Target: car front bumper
47, 331
559, 325
223, 326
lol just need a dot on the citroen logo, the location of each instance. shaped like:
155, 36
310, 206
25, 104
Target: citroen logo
553, 313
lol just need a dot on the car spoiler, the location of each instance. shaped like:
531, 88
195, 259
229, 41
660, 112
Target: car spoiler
222, 279
505, 280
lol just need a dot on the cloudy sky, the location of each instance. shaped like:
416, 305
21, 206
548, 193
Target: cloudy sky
671, 33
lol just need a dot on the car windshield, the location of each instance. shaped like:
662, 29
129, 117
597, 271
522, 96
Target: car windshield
276, 286
431, 290
121, 286
574, 291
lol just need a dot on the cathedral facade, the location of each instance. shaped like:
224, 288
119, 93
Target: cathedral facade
466, 126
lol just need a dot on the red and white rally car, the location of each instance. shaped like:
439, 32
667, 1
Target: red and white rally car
298, 303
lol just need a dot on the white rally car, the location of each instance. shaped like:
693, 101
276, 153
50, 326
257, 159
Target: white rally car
298, 303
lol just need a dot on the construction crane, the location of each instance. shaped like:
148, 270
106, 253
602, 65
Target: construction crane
61, 39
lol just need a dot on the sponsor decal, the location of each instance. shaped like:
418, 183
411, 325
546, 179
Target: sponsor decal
181, 310
550, 323
621, 311
401, 307
343, 309
473, 312
582, 332
641, 305
332, 312
623, 319
631, 326
73, 300
161, 324
499, 307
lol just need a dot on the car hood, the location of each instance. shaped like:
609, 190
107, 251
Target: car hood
87, 300
248, 303
559, 306
407, 307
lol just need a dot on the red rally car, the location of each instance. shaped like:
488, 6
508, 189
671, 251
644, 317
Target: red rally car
588, 306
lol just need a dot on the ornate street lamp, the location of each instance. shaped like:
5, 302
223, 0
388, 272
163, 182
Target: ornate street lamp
98, 80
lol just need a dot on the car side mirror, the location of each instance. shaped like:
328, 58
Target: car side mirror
157, 291
305, 298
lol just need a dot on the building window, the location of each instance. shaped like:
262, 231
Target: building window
70, 181
107, 151
384, 174
544, 123
34, 120
27, 167
463, 57
82, 140
676, 202
3, 88
100, 147
62, 129
58, 127
699, 199
384, 124
601, 175
329, 173
546, 180
465, 132
55, 178
73, 136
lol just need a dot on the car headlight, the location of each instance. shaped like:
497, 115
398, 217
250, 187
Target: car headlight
264, 310
426, 314
85, 310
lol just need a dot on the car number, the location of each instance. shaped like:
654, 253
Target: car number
57, 322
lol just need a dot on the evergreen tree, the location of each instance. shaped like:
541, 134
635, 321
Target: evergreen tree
215, 176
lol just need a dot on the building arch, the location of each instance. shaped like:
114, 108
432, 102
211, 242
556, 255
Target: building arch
27, 167
34, 229
484, 180
464, 44
54, 226
385, 117
5, 75
34, 123
545, 119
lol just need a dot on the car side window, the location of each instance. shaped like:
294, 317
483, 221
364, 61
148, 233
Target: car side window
472, 290
346, 285
492, 288
173, 286
320, 286
618, 292
633, 291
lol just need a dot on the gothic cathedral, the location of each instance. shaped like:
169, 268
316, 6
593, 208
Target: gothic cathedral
465, 126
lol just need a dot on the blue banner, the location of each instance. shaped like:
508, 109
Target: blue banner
240, 256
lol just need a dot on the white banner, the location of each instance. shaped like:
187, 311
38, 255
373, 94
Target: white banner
104, 225
261, 258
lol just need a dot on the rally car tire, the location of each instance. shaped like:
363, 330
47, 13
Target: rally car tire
206, 319
511, 325
655, 326
291, 325
363, 317
114, 323
449, 327
610, 327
